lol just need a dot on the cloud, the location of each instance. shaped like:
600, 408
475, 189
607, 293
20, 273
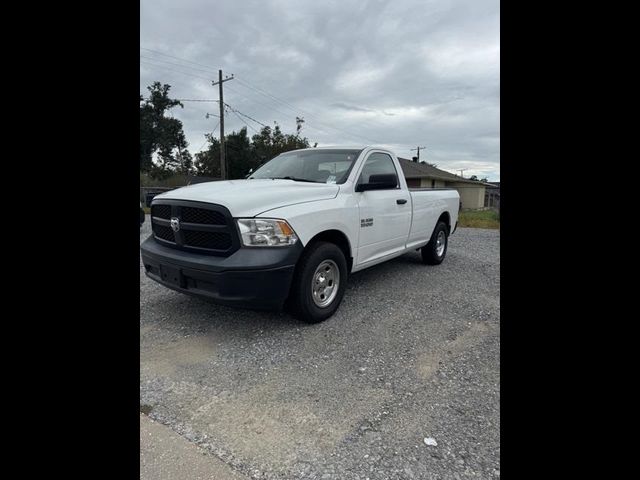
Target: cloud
380, 72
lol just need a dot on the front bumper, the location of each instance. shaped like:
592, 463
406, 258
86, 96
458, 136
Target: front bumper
257, 277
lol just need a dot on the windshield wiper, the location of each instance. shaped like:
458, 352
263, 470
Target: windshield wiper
295, 179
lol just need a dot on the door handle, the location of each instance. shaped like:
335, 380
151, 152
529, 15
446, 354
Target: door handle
401, 201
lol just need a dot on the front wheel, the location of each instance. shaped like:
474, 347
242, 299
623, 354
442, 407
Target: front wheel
433, 253
319, 283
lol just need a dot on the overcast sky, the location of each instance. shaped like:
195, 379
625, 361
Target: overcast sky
393, 73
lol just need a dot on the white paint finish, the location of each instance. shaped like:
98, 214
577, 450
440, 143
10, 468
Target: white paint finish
428, 205
312, 208
248, 198
362, 266
310, 219
390, 221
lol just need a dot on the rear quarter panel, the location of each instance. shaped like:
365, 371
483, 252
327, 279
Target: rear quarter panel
428, 205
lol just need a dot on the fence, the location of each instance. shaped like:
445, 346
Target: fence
147, 193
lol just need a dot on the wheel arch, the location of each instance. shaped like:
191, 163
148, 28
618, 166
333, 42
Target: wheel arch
446, 218
338, 238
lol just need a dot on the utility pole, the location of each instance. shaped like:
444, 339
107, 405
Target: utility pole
223, 161
418, 149
462, 170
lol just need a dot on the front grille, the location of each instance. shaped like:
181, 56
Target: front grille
161, 211
202, 216
212, 240
203, 228
164, 233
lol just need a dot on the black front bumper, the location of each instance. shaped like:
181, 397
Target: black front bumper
251, 277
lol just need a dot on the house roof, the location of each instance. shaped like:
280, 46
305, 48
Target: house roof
421, 170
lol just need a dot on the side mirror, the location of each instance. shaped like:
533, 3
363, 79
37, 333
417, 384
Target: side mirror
249, 174
384, 181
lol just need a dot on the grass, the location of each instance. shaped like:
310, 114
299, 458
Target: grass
147, 210
479, 219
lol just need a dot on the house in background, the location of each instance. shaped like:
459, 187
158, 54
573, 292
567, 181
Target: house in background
420, 175
492, 196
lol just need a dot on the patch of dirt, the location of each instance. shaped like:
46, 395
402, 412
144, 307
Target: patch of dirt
184, 352
268, 427
428, 362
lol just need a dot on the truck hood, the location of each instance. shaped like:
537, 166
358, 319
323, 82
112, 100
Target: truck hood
248, 198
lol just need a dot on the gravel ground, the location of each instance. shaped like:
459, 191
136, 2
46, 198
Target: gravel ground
413, 352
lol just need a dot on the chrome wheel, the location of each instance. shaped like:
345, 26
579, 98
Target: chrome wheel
441, 242
325, 283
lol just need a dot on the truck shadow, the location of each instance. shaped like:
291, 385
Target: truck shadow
197, 314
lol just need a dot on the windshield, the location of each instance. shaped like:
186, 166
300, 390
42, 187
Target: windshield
321, 166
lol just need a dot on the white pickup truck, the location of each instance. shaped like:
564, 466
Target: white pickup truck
292, 233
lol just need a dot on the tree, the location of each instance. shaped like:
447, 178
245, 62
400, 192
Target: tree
473, 177
162, 136
240, 154
207, 162
430, 164
269, 143
244, 153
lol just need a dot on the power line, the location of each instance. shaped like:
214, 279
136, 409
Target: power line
173, 70
172, 63
244, 115
196, 100
206, 139
272, 97
240, 118
297, 109
267, 94
273, 109
178, 58
300, 111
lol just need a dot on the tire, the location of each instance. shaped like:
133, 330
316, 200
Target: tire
432, 252
309, 276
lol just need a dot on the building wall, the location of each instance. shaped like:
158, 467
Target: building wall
431, 183
472, 197
492, 198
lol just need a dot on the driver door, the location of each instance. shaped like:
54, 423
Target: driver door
385, 215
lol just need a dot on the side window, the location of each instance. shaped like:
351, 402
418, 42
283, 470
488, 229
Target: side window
377, 164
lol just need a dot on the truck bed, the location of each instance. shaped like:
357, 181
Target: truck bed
426, 205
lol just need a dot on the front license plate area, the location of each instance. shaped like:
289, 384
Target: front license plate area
171, 275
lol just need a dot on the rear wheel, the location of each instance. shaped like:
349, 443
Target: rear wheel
433, 253
319, 283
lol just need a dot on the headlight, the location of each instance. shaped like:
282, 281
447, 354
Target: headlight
266, 232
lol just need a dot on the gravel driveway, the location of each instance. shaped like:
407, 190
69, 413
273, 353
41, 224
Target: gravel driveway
413, 352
